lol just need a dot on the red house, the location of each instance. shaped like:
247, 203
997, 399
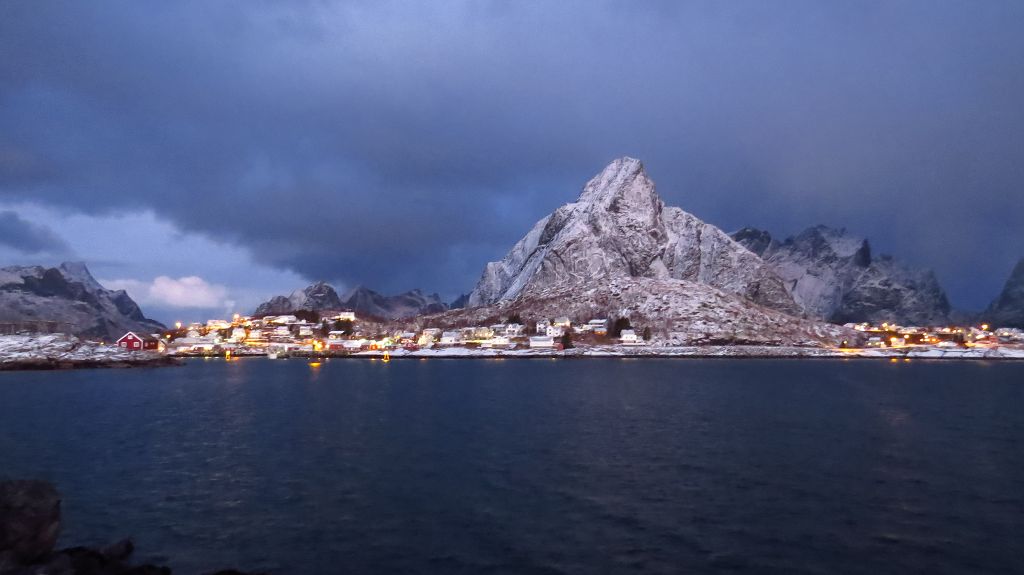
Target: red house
131, 341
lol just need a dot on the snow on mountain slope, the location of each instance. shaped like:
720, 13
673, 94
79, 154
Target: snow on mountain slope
620, 228
69, 296
679, 312
832, 275
316, 297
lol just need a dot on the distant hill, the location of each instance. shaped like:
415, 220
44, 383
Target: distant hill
70, 300
320, 296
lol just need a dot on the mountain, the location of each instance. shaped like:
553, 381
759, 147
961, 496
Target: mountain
71, 297
316, 297
832, 275
620, 228
618, 251
411, 303
1008, 309
321, 296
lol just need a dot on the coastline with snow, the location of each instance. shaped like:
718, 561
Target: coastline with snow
682, 352
60, 351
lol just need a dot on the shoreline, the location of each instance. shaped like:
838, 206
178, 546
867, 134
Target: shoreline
691, 352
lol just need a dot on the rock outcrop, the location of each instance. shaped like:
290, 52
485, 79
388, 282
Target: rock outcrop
1008, 309
620, 228
832, 275
29, 528
67, 298
29, 522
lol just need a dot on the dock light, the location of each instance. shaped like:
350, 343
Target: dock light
984, 327
177, 325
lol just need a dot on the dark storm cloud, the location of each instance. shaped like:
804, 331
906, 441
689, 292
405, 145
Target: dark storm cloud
27, 237
402, 145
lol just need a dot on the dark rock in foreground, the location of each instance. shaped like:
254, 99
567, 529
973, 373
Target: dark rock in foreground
29, 526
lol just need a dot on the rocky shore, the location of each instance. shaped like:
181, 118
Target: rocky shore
29, 530
60, 351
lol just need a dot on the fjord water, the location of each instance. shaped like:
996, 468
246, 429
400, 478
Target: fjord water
534, 466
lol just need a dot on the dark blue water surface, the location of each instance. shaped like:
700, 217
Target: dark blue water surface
535, 466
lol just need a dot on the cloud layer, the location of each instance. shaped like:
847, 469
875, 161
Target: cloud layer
28, 237
403, 145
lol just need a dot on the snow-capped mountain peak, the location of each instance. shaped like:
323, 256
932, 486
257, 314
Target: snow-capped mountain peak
619, 227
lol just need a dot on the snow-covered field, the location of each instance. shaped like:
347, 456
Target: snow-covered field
56, 351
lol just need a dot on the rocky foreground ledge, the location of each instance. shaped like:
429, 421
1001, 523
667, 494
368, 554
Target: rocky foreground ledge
29, 529
60, 351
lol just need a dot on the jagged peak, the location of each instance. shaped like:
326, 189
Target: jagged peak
79, 272
624, 178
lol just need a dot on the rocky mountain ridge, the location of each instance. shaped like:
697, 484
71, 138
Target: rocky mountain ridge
1007, 310
832, 275
320, 296
69, 299
620, 228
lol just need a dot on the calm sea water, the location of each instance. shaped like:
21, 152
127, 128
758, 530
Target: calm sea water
535, 466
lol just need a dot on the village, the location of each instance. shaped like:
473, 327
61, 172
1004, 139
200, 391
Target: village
342, 333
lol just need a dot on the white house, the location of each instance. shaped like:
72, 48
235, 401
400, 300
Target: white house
555, 331
598, 326
335, 335
629, 337
496, 341
514, 330
451, 338
562, 322
542, 342
353, 344
344, 316
542, 326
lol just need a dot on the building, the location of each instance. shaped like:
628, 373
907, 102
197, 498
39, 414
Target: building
629, 337
555, 332
342, 316
451, 338
598, 326
562, 322
542, 342
496, 341
542, 326
134, 342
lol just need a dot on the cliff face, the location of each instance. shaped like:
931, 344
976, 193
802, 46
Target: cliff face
620, 228
70, 297
832, 275
1007, 310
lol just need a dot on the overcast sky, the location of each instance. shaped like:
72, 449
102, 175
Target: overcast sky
240, 149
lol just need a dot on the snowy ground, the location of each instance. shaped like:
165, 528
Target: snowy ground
56, 351
709, 351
